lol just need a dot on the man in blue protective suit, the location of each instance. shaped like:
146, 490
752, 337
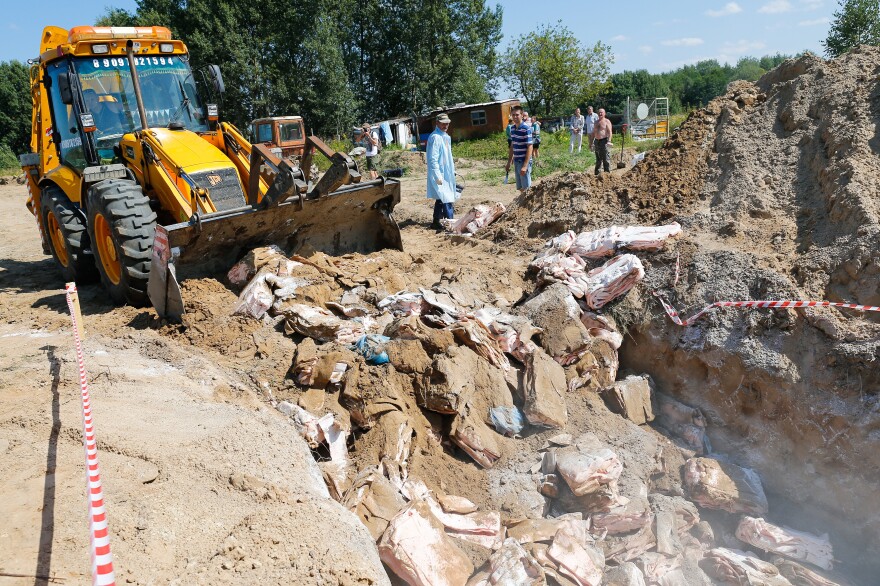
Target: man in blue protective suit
441, 172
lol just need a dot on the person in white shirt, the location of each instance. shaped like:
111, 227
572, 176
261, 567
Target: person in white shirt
576, 128
589, 123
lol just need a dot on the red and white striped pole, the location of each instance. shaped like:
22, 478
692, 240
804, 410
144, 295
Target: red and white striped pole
780, 304
99, 535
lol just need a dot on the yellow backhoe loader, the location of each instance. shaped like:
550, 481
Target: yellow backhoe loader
134, 179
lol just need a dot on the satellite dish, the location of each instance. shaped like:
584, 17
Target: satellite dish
642, 111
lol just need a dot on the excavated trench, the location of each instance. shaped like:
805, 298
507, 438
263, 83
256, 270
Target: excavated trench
775, 187
806, 424
773, 205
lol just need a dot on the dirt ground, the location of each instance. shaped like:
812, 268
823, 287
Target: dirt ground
202, 479
207, 482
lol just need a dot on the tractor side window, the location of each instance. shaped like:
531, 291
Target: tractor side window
65, 127
264, 133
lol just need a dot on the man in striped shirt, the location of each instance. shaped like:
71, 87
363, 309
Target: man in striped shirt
520, 150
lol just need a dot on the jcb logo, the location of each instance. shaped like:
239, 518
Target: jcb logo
214, 180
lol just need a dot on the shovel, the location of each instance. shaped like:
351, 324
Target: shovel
506, 178
620, 163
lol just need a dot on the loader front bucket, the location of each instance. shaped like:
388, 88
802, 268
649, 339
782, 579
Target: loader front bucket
354, 218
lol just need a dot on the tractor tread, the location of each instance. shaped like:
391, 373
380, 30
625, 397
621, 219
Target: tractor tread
81, 267
133, 223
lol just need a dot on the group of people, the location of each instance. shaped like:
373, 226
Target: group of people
524, 139
523, 143
597, 127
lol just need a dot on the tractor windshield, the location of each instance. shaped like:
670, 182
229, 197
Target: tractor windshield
167, 88
290, 131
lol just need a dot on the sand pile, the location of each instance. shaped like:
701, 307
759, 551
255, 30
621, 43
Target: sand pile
775, 186
492, 433
655, 190
503, 409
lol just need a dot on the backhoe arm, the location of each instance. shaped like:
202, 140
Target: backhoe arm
342, 171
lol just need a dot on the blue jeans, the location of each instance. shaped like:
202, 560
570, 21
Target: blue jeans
522, 181
442, 210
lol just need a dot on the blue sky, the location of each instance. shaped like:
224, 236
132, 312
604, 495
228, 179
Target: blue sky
657, 36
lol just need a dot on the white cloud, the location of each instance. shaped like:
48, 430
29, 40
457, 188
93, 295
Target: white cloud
817, 21
683, 42
646, 49
741, 47
775, 7
666, 22
727, 10
729, 52
619, 38
669, 66
812, 4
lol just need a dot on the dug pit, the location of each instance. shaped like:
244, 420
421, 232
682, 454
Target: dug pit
773, 204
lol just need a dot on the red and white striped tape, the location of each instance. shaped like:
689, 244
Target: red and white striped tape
781, 304
99, 535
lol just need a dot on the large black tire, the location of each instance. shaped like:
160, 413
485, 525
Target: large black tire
67, 237
121, 227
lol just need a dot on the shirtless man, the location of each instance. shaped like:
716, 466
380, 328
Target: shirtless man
602, 142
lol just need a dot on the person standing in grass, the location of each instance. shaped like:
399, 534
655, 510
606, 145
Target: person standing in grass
441, 172
508, 129
602, 142
589, 124
536, 134
576, 128
520, 151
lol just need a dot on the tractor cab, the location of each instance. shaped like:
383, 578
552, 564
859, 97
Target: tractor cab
94, 103
284, 135
135, 180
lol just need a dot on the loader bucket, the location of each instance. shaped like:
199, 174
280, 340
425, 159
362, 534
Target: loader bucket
354, 218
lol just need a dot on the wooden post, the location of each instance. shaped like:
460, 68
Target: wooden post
74, 297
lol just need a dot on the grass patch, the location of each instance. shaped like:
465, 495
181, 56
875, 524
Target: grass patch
491, 176
553, 155
650, 144
8, 161
491, 148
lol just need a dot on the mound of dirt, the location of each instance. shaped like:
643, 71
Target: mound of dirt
774, 205
666, 182
775, 184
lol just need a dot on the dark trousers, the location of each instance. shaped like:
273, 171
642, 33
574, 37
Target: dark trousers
442, 210
603, 155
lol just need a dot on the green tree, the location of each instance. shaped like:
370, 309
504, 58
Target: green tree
637, 85
334, 61
409, 55
769, 62
748, 68
857, 22
15, 114
326, 94
696, 84
554, 71
117, 17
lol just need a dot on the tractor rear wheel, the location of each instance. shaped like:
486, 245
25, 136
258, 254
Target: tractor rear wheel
66, 233
122, 226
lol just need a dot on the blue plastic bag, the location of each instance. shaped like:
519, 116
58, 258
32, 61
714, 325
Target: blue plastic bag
372, 348
507, 420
